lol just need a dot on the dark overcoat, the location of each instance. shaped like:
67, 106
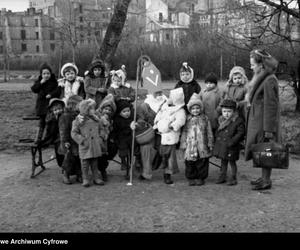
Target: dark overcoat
264, 113
188, 89
228, 138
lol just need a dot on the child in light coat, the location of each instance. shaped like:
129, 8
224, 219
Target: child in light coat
86, 133
169, 122
197, 141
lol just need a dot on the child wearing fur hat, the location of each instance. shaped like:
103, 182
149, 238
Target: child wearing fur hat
119, 88
187, 82
169, 121
86, 133
230, 133
122, 133
95, 82
105, 113
235, 88
71, 83
56, 108
68, 147
197, 141
211, 98
46, 88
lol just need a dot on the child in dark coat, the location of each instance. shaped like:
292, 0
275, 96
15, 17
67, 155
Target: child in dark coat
187, 82
122, 133
86, 133
56, 108
95, 82
68, 147
229, 134
46, 88
197, 141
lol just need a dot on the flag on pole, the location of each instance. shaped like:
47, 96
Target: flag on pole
151, 77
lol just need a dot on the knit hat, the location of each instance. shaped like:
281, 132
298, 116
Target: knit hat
67, 66
119, 73
56, 101
176, 97
238, 70
108, 101
228, 103
85, 105
122, 104
45, 66
194, 100
74, 99
211, 77
186, 68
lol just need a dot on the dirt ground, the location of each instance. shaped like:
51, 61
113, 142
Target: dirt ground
45, 204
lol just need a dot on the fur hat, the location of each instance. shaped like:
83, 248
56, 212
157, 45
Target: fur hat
56, 101
45, 66
237, 70
99, 64
228, 103
211, 77
85, 105
108, 101
122, 104
74, 99
67, 66
194, 100
186, 68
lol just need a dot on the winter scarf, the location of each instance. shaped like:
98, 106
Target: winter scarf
223, 123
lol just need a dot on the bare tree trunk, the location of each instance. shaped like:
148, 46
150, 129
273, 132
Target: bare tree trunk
297, 88
114, 32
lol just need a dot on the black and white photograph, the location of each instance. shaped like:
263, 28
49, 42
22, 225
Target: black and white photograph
148, 116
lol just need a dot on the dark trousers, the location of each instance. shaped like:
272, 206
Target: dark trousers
197, 169
103, 163
59, 157
224, 165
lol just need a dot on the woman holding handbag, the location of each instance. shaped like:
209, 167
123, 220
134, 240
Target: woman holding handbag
263, 117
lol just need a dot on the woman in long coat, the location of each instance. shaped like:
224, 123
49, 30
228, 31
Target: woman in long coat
263, 117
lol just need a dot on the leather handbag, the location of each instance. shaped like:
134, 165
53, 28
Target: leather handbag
270, 155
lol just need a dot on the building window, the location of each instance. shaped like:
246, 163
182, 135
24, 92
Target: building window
37, 35
81, 19
52, 35
24, 47
160, 18
1, 35
1, 49
37, 48
168, 36
23, 34
52, 46
80, 8
36, 22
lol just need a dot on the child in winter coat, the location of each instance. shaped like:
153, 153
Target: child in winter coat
187, 82
86, 134
122, 133
105, 113
229, 134
71, 83
95, 82
211, 98
46, 88
235, 88
56, 108
119, 88
68, 147
169, 122
197, 140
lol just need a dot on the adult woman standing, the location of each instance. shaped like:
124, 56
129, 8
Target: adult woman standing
263, 118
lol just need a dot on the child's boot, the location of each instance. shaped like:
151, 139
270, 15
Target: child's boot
167, 179
66, 178
192, 183
232, 180
85, 183
99, 182
221, 179
200, 182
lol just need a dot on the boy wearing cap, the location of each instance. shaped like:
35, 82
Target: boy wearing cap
229, 134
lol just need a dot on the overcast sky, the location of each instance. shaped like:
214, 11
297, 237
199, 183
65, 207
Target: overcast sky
14, 5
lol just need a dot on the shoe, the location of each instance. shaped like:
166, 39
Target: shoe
263, 185
104, 175
221, 179
257, 181
232, 181
79, 179
99, 182
85, 183
192, 183
142, 178
66, 179
167, 179
200, 182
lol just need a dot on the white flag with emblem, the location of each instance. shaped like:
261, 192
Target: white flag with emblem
151, 77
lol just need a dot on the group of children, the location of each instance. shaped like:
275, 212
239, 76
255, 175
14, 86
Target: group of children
90, 119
